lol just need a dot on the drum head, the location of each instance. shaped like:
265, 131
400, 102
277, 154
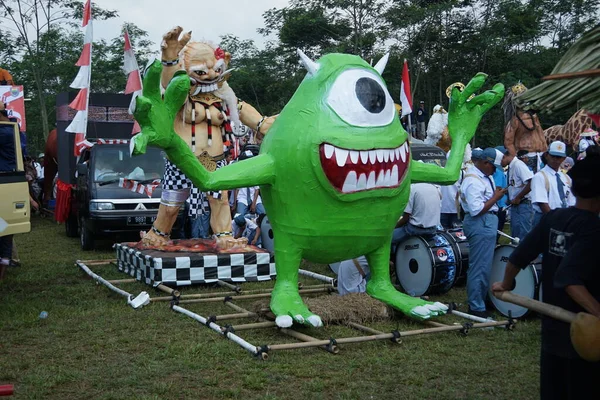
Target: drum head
335, 267
266, 235
414, 266
526, 282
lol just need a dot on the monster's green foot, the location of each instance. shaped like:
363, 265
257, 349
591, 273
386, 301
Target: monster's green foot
412, 306
288, 307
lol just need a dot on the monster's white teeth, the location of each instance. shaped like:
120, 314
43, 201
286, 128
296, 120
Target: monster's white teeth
329, 149
354, 156
364, 156
350, 183
341, 155
387, 178
403, 152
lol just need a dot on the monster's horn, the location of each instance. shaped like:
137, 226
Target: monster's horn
380, 66
311, 66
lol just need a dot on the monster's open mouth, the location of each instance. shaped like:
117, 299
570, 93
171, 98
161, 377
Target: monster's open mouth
357, 170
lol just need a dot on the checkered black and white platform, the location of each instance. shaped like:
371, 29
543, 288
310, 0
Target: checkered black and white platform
182, 269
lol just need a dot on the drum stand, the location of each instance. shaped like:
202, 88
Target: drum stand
264, 319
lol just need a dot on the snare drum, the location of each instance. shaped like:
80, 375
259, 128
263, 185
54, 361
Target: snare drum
266, 235
527, 282
460, 244
425, 265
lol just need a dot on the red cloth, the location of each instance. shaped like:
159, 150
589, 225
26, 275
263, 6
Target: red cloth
63, 201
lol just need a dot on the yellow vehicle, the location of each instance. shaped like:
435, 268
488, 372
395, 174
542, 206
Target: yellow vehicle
14, 193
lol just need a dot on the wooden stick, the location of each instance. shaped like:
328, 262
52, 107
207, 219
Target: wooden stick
385, 336
231, 294
331, 348
569, 75
249, 296
256, 325
168, 290
235, 307
364, 328
236, 316
543, 308
117, 281
98, 262
435, 324
235, 288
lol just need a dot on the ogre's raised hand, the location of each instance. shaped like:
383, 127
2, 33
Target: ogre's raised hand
155, 114
464, 114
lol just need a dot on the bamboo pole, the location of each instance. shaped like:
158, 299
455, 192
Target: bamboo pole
96, 262
364, 328
435, 324
330, 348
235, 288
385, 336
168, 290
231, 336
235, 307
248, 296
319, 277
231, 294
255, 325
236, 316
117, 281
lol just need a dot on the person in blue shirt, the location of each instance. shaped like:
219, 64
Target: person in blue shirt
500, 181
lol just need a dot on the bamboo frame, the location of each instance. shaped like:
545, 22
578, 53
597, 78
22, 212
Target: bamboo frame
248, 296
117, 281
235, 288
168, 290
231, 294
97, 262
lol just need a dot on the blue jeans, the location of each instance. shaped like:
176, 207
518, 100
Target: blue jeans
481, 233
409, 230
200, 226
537, 216
244, 209
449, 221
521, 218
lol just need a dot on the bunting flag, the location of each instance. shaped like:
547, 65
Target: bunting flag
82, 82
405, 96
138, 187
134, 79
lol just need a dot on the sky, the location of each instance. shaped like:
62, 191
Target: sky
238, 17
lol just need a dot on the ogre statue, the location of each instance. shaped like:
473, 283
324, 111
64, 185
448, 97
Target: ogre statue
206, 121
522, 129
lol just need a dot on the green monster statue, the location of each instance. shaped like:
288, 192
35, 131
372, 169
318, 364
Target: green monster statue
334, 170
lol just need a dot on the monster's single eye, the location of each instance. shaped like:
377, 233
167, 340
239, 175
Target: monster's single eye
360, 98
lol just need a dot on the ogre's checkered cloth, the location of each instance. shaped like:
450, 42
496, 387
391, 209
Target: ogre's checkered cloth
182, 269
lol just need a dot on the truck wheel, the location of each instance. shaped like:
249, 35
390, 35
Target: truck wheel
71, 227
87, 236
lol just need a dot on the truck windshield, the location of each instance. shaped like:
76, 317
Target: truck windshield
112, 162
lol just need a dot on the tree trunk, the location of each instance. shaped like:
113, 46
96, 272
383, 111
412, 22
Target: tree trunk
42, 100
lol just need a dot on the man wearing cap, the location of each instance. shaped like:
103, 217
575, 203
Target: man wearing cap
551, 188
567, 238
519, 185
478, 197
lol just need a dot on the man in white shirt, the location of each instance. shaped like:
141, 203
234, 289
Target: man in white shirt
478, 197
422, 213
353, 276
551, 188
519, 185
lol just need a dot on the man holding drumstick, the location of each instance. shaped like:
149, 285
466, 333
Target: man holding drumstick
570, 279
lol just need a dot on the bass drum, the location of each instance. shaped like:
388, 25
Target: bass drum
460, 244
425, 265
266, 235
527, 282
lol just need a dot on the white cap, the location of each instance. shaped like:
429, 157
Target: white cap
557, 149
498, 159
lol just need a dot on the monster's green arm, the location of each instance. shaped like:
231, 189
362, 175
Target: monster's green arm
156, 117
463, 118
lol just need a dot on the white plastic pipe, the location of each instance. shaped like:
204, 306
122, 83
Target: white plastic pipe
512, 239
319, 277
139, 301
234, 338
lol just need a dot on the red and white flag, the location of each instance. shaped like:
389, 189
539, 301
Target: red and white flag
82, 82
134, 79
405, 97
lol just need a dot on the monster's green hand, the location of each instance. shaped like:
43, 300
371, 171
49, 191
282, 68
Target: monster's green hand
464, 115
155, 115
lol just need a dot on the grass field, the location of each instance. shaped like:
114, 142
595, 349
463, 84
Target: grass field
93, 346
